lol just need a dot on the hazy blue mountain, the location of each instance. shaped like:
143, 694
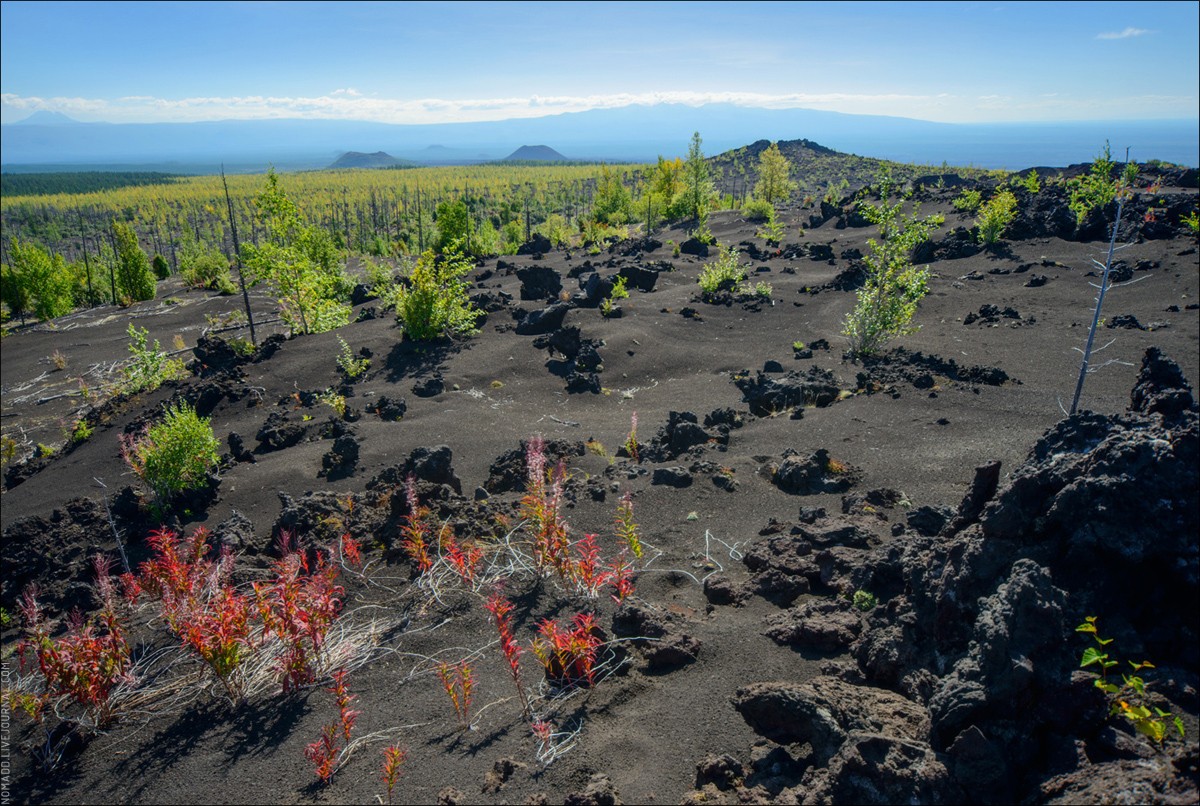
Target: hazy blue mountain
380, 159
535, 154
633, 133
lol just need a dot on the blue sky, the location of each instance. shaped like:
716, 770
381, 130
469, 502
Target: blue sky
442, 62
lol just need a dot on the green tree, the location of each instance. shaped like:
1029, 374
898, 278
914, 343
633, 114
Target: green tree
434, 301
995, 216
773, 169
134, 278
612, 203
453, 219
698, 186
43, 279
888, 300
299, 263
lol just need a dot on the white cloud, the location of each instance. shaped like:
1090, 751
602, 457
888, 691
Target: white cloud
1128, 33
348, 104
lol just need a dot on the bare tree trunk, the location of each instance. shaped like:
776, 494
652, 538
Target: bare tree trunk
237, 253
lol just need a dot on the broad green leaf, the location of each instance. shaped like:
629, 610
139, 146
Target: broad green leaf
1179, 726
1092, 655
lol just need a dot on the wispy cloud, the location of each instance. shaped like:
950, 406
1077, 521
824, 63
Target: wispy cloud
350, 104
1128, 33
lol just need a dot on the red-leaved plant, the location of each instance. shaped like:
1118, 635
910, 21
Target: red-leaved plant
199, 602
501, 610
393, 760
458, 683
568, 655
298, 607
542, 507
326, 753
86, 663
416, 533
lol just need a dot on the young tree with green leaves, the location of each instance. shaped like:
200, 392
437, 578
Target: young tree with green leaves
773, 169
134, 277
698, 186
453, 220
38, 282
434, 302
612, 203
299, 263
888, 300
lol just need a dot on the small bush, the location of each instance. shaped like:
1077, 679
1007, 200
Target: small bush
969, 201
204, 267
350, 366
724, 274
175, 455
758, 210
148, 368
434, 303
995, 216
864, 600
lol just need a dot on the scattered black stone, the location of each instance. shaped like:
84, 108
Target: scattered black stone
429, 387
767, 396
813, 474
542, 321
539, 283
676, 476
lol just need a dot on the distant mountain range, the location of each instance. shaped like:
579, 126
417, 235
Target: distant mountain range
633, 133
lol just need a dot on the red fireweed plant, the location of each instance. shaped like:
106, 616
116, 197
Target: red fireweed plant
199, 603
542, 506
415, 531
86, 664
298, 607
501, 610
328, 753
458, 683
568, 655
393, 761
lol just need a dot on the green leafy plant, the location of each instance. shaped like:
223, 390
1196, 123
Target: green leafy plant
864, 600
175, 455
723, 274
148, 367
758, 210
300, 263
995, 216
888, 299
968, 201
1031, 182
619, 291
1128, 699
334, 400
351, 366
1192, 222
1097, 188
82, 431
433, 302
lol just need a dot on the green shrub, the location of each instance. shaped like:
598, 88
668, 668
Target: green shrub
888, 300
175, 455
864, 600
1192, 222
434, 301
969, 201
995, 216
134, 278
148, 368
351, 366
758, 210
162, 269
1096, 188
723, 274
203, 267
556, 229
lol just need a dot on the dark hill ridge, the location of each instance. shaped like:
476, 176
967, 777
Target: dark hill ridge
380, 159
535, 154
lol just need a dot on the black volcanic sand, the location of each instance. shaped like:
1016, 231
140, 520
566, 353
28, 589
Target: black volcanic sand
740, 672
